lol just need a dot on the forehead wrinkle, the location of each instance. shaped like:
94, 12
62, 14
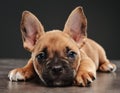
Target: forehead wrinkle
54, 41
56, 44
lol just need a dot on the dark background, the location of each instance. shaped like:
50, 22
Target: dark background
103, 22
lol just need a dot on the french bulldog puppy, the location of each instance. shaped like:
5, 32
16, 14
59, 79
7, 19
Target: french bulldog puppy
61, 58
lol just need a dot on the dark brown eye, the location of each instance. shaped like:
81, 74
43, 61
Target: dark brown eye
71, 54
41, 56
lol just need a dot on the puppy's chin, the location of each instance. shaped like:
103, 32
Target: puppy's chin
59, 83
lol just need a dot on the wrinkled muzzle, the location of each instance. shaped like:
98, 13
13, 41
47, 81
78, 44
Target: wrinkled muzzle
58, 73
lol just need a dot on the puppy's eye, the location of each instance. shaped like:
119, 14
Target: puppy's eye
41, 56
71, 54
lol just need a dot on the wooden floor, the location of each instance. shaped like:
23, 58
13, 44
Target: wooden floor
105, 82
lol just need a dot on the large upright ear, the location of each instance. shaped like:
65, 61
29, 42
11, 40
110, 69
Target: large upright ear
31, 30
76, 25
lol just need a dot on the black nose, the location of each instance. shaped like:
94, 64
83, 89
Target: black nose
57, 69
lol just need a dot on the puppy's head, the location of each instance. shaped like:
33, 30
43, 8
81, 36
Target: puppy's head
55, 54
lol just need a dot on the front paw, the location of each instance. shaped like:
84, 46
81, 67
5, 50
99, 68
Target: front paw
84, 78
19, 74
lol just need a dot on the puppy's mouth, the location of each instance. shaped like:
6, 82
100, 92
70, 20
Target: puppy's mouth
58, 75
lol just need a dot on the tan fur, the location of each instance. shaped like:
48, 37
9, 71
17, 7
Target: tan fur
91, 56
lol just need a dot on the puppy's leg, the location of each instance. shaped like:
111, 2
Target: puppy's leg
24, 73
86, 72
105, 64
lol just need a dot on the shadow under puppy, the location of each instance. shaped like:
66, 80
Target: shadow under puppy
61, 58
